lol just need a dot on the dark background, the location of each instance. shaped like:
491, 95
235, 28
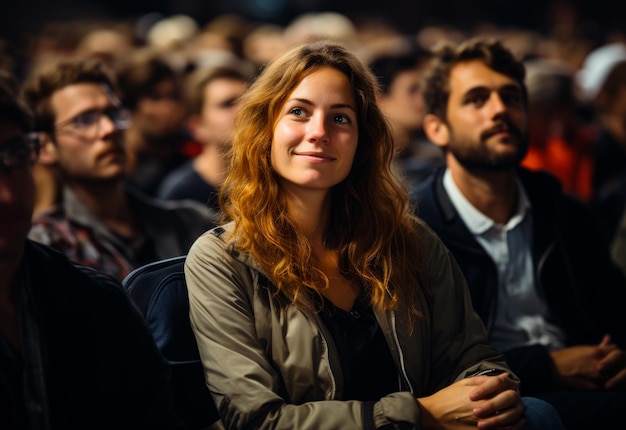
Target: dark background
596, 16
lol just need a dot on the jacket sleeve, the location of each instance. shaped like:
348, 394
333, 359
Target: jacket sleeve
243, 380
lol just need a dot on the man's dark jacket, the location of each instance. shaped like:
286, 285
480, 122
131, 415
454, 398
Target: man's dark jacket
102, 369
585, 293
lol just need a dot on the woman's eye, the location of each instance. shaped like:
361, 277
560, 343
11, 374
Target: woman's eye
297, 112
342, 119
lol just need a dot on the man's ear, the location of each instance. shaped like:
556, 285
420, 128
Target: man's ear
48, 154
196, 129
436, 130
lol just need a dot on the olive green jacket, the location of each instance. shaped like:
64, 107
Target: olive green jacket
272, 365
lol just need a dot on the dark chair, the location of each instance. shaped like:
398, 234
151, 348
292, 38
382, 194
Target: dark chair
160, 292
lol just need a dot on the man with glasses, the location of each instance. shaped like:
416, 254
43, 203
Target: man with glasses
100, 222
74, 352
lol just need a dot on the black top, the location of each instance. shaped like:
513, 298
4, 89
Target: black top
368, 368
185, 183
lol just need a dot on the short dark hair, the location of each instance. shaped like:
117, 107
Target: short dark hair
490, 51
139, 74
56, 75
12, 110
387, 67
201, 77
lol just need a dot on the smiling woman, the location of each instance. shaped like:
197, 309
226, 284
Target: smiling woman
315, 306
315, 137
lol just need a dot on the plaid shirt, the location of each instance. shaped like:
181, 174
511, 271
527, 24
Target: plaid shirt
167, 230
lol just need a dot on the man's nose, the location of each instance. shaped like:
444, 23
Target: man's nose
496, 104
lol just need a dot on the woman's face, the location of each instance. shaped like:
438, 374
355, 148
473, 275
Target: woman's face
316, 132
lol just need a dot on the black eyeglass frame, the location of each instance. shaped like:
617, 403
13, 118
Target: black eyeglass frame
20, 152
118, 115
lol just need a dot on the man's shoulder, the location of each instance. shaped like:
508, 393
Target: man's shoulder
546, 194
175, 183
189, 210
52, 227
49, 265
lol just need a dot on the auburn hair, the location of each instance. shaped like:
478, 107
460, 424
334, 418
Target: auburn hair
371, 225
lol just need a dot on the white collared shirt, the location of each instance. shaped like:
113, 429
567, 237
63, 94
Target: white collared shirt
520, 317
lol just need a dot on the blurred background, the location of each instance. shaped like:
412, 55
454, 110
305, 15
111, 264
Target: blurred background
28, 27
574, 52
553, 37
594, 16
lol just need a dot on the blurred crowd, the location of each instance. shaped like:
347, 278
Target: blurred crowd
575, 88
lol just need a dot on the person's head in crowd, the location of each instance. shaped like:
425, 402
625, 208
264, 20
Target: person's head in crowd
106, 43
612, 95
151, 88
18, 151
358, 182
80, 120
602, 77
552, 106
312, 26
264, 44
211, 96
476, 104
400, 96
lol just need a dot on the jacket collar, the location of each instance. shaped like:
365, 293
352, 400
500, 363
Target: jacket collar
224, 232
543, 192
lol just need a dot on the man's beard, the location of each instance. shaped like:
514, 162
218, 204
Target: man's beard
481, 157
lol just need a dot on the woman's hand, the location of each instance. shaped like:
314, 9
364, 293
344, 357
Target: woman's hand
488, 402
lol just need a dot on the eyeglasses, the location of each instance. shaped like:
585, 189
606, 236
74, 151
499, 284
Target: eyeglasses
19, 152
87, 124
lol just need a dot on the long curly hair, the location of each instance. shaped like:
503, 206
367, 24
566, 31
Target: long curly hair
371, 225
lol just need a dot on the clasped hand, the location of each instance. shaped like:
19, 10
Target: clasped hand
486, 402
592, 367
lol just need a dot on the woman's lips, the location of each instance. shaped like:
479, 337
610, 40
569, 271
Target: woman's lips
315, 156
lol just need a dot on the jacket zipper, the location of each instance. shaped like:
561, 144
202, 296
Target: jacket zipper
400, 353
327, 348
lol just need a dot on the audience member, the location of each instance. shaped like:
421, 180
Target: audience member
401, 101
74, 352
602, 82
47, 179
537, 272
325, 303
151, 88
560, 139
212, 95
100, 222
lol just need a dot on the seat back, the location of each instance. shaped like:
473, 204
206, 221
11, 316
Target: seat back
159, 291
